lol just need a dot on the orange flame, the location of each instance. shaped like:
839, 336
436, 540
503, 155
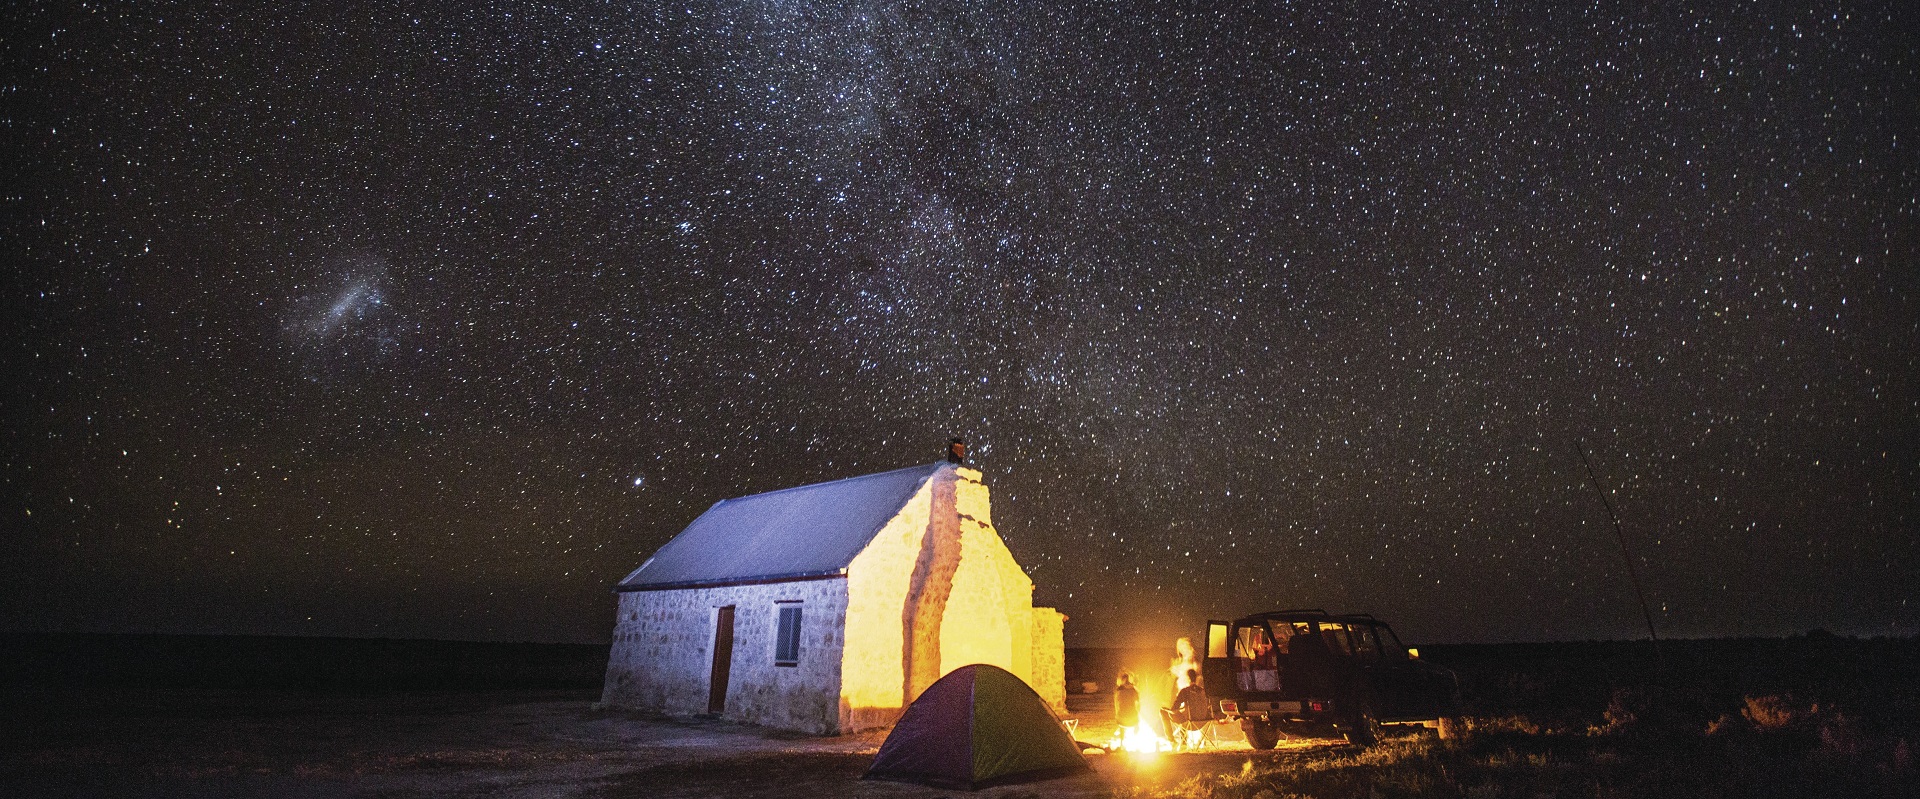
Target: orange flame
1147, 737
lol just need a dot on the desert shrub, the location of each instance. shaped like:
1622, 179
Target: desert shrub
1816, 753
1511, 723
1623, 711
1768, 712
1722, 725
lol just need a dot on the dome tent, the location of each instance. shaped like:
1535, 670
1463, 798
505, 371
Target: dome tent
977, 727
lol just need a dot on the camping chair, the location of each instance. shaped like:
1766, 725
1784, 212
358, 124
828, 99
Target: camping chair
1208, 734
1187, 735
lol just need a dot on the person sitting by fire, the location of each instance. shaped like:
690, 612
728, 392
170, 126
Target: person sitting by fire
1126, 705
1190, 712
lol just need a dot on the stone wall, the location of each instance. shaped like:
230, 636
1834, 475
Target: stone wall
1049, 658
662, 657
934, 590
879, 640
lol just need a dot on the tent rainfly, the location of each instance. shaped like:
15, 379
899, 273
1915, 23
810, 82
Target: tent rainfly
977, 727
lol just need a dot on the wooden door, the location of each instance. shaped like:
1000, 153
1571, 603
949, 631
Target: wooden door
722, 660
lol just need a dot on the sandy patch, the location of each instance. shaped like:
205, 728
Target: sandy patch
493, 744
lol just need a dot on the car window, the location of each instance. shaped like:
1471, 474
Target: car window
1282, 637
1335, 636
1251, 641
1390, 646
1364, 647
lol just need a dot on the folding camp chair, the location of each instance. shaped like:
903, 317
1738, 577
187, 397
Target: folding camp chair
1207, 736
1187, 735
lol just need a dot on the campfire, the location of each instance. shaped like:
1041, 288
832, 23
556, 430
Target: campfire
1148, 736
1140, 738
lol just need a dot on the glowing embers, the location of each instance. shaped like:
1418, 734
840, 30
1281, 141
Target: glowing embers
1141, 738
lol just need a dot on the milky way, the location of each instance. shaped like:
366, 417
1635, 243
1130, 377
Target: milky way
437, 322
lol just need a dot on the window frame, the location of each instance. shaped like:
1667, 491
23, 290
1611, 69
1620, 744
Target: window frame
1334, 635
1364, 645
1217, 639
785, 636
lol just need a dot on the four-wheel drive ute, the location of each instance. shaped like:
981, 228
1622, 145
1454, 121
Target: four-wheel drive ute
1308, 672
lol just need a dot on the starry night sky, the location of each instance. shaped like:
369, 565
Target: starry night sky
437, 321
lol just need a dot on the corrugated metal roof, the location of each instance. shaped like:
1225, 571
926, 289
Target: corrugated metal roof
794, 533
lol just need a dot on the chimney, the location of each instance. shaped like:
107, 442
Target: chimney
956, 452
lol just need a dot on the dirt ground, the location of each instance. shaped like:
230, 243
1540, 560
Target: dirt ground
469, 744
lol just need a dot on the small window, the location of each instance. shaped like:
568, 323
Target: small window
786, 642
1335, 636
1216, 639
1283, 634
1251, 642
1363, 646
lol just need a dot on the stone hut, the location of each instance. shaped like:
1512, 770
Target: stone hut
828, 608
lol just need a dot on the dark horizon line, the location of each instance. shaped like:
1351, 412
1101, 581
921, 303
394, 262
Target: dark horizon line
1811, 633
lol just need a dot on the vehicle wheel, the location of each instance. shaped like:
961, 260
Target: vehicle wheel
1260, 734
1361, 726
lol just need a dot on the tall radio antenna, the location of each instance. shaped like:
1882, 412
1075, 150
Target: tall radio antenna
1632, 572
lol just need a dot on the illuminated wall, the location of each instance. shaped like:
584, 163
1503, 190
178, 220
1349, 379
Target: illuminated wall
937, 590
976, 627
988, 617
872, 691
1048, 652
